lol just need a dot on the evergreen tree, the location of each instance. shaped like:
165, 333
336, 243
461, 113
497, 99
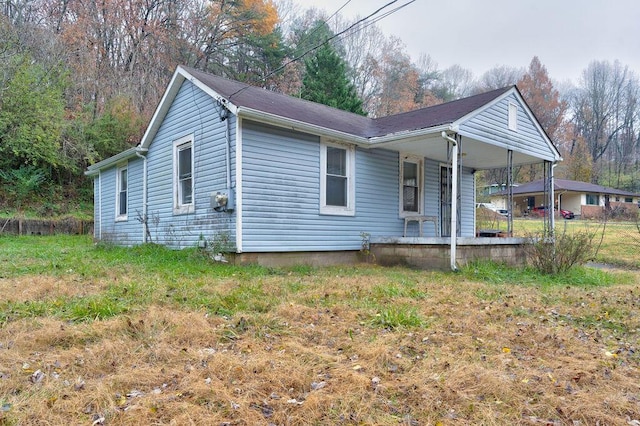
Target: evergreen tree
326, 82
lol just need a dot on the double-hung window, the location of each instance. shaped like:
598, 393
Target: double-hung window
337, 182
411, 186
183, 175
593, 199
121, 193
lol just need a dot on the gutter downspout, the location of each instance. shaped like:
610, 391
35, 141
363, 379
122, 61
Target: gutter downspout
228, 152
140, 152
454, 198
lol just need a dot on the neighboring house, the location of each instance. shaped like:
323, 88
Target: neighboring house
272, 177
586, 200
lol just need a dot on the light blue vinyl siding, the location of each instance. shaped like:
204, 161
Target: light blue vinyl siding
467, 205
192, 112
128, 232
281, 194
491, 126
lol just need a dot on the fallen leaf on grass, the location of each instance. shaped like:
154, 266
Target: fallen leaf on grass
265, 409
318, 385
37, 377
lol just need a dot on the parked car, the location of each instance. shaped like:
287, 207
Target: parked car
540, 211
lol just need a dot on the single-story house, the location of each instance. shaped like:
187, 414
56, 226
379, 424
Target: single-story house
584, 199
276, 179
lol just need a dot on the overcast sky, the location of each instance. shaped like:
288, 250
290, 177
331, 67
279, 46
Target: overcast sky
479, 34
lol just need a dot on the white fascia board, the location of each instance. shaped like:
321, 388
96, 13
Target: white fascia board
209, 91
300, 126
398, 138
163, 107
374, 142
94, 169
502, 145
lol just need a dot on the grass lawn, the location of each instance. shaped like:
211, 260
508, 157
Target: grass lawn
115, 336
618, 243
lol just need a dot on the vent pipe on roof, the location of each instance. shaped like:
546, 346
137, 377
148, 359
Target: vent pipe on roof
454, 198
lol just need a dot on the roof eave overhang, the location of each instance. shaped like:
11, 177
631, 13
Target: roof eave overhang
300, 126
94, 169
392, 139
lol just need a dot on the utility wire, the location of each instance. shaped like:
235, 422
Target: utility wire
326, 21
360, 21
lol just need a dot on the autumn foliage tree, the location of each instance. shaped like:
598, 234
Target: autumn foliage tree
543, 99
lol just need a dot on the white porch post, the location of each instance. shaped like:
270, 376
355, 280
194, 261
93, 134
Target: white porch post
454, 199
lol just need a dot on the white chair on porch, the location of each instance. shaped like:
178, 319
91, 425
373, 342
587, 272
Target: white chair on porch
421, 219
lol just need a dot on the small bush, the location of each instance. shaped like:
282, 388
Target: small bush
559, 253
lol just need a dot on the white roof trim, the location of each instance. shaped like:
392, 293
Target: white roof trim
94, 169
180, 75
300, 126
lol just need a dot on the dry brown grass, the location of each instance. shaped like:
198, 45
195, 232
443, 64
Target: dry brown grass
487, 354
222, 346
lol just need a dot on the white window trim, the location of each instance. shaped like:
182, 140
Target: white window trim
179, 208
420, 162
349, 210
513, 116
121, 217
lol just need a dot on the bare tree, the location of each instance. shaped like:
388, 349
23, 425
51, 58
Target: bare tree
498, 77
605, 112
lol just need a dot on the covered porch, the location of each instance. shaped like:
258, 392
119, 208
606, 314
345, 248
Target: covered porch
502, 134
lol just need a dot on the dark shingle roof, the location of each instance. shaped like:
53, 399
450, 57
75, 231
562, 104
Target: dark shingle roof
244, 95
567, 185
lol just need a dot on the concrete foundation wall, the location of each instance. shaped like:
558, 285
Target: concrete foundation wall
437, 257
414, 252
299, 258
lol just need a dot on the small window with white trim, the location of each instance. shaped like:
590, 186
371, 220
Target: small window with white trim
411, 186
337, 181
183, 175
121, 193
513, 117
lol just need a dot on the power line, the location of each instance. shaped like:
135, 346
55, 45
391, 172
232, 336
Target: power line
360, 21
318, 26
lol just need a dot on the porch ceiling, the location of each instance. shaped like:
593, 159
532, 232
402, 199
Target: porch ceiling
476, 154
